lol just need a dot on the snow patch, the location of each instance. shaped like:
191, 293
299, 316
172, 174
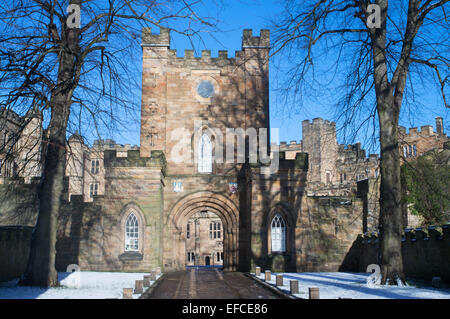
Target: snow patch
335, 285
76, 285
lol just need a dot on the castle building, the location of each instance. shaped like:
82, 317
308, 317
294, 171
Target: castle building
85, 170
415, 143
20, 146
203, 188
204, 244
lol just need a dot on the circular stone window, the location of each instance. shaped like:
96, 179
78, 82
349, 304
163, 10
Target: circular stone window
205, 89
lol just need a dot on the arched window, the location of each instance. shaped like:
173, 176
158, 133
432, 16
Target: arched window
132, 233
204, 154
278, 234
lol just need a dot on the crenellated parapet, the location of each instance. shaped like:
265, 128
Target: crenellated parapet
162, 40
413, 236
150, 39
425, 130
251, 41
190, 59
133, 159
318, 121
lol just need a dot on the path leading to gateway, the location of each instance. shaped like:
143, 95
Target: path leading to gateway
207, 283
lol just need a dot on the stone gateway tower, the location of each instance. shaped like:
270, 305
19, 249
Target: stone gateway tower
188, 103
203, 188
197, 191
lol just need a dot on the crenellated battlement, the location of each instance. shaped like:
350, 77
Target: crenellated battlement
206, 57
318, 121
355, 151
133, 159
150, 39
425, 253
162, 40
251, 41
416, 235
425, 130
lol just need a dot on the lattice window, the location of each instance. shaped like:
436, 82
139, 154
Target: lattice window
131, 233
214, 231
93, 189
95, 164
278, 234
204, 154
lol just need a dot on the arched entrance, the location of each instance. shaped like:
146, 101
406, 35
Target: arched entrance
204, 240
192, 204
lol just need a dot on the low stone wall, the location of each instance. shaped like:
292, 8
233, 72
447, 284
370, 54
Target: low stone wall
426, 253
14, 251
18, 202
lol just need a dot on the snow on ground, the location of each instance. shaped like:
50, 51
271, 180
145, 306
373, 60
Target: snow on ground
334, 285
92, 285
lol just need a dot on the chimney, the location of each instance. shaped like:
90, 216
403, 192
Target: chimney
439, 126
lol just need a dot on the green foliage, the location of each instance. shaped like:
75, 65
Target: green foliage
427, 184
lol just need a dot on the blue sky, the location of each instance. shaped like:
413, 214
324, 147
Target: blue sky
234, 16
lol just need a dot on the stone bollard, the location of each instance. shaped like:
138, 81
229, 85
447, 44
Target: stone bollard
153, 275
279, 280
314, 293
294, 287
147, 281
127, 293
268, 275
258, 271
436, 282
139, 287
158, 270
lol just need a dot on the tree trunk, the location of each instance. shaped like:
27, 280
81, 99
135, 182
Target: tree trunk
41, 262
391, 218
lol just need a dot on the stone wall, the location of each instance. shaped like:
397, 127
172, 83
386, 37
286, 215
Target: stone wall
14, 251
18, 202
319, 141
320, 230
417, 142
426, 253
91, 234
326, 232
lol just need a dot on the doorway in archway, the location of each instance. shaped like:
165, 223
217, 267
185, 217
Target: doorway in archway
204, 240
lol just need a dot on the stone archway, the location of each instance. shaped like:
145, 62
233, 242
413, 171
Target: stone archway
218, 204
